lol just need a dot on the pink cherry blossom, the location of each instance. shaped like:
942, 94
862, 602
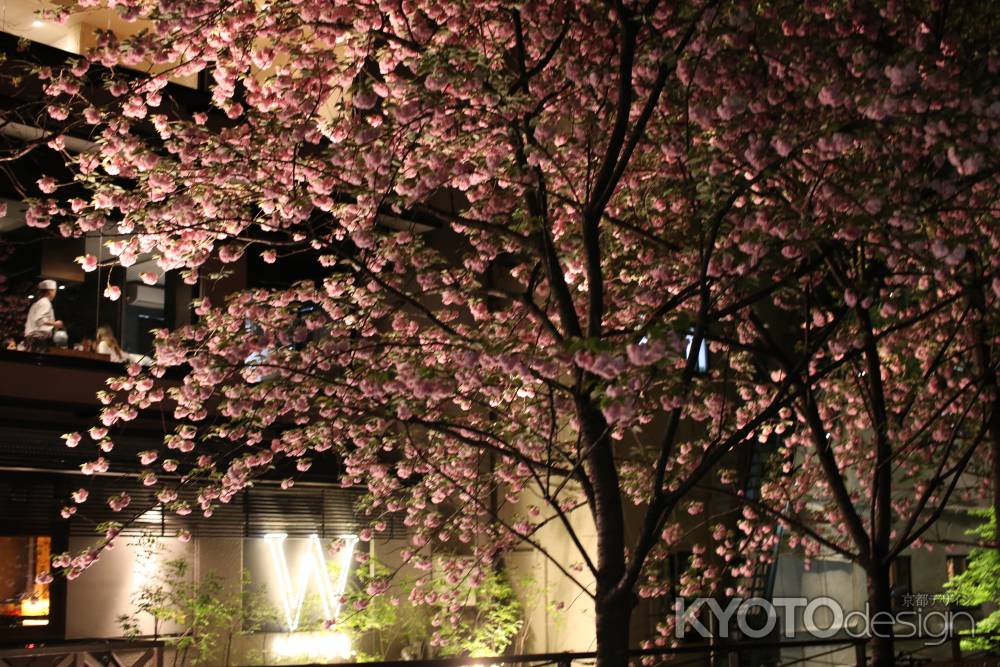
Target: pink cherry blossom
511, 217
47, 184
87, 262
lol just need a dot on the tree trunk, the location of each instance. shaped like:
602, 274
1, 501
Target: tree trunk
612, 604
880, 615
880, 620
613, 615
995, 466
983, 355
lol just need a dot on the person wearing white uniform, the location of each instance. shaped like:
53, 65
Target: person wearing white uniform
41, 324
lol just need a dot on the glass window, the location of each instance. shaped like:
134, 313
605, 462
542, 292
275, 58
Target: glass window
701, 365
957, 565
144, 308
900, 581
23, 602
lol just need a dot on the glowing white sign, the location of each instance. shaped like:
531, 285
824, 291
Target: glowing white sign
311, 566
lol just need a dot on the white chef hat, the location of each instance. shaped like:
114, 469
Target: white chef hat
47, 284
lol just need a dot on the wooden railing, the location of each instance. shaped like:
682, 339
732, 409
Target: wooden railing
746, 653
90, 654
732, 653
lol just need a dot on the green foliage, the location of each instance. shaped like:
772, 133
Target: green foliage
385, 623
486, 627
980, 584
202, 614
382, 623
200, 618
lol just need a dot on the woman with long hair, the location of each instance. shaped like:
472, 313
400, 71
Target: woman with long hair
108, 344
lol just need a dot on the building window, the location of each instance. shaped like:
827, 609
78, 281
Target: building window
24, 603
662, 607
701, 364
678, 562
957, 565
900, 581
143, 311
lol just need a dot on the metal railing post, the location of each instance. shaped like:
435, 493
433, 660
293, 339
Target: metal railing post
712, 632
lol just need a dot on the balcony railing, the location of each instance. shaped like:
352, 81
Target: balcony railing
111, 653
744, 653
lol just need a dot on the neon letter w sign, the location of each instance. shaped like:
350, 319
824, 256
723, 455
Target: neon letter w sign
311, 569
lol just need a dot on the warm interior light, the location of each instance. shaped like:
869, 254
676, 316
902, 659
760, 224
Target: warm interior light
316, 645
37, 23
35, 607
154, 515
28, 605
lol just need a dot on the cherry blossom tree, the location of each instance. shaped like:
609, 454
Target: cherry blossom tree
530, 216
875, 451
984, 340
873, 454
